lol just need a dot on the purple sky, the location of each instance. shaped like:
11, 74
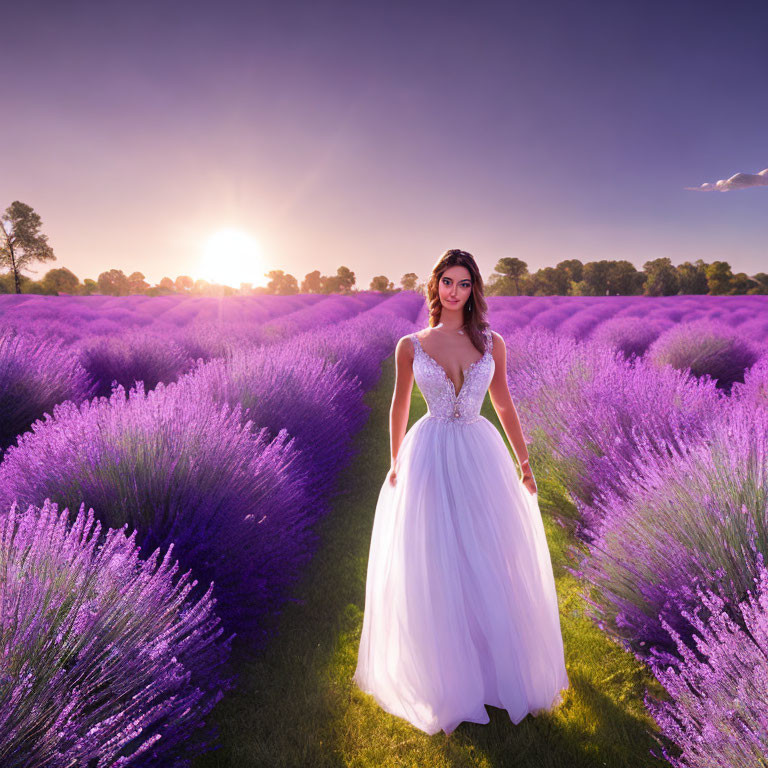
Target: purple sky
376, 135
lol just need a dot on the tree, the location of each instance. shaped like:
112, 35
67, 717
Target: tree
596, 278
22, 243
573, 268
719, 278
184, 283
623, 279
341, 282
281, 283
137, 283
330, 284
346, 279
60, 280
513, 269
580, 288
113, 283
692, 278
408, 281
312, 282
167, 284
496, 285
89, 287
382, 284
661, 278
8, 285
742, 284
761, 278
550, 281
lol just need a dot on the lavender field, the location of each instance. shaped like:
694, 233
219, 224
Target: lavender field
166, 463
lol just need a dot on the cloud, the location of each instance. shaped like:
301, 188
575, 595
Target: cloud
737, 181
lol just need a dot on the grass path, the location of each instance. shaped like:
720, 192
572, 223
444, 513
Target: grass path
297, 704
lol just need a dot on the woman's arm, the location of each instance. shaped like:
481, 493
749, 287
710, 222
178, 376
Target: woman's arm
401, 399
505, 408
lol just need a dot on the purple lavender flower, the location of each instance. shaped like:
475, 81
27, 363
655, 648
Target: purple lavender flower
181, 469
631, 335
716, 712
359, 344
754, 388
132, 356
316, 402
706, 348
103, 656
679, 519
589, 408
35, 375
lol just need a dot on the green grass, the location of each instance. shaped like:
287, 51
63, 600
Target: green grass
297, 704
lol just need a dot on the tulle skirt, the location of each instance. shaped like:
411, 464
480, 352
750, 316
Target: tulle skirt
460, 602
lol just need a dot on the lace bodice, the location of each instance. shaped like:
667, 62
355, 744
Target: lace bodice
439, 391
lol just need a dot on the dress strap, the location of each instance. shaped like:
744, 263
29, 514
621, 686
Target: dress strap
489, 336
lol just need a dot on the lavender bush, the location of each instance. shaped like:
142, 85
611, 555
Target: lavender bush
359, 345
754, 389
756, 328
205, 340
315, 402
631, 335
104, 657
716, 714
681, 518
132, 356
331, 310
706, 348
580, 325
179, 469
35, 375
589, 408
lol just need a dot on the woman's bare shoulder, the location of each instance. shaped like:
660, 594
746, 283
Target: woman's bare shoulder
420, 335
404, 349
498, 347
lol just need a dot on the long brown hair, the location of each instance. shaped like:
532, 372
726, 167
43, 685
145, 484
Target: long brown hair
475, 308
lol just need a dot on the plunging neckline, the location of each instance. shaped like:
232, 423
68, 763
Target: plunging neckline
448, 379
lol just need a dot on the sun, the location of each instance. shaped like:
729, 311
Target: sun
230, 257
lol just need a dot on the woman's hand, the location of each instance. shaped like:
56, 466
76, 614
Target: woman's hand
530, 483
392, 477
527, 478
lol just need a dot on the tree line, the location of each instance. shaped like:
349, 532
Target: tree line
658, 277
22, 244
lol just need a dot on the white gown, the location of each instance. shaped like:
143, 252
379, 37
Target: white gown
460, 602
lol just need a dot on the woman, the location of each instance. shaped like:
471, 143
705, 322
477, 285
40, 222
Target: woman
460, 602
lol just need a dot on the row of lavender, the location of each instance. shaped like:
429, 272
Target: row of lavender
615, 317
152, 339
669, 475
216, 469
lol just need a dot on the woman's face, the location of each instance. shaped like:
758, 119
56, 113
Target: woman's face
455, 287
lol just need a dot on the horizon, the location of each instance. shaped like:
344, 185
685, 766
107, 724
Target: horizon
357, 287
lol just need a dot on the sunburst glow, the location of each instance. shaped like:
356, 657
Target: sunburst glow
231, 257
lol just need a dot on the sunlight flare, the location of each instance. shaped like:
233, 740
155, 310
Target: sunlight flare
230, 257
